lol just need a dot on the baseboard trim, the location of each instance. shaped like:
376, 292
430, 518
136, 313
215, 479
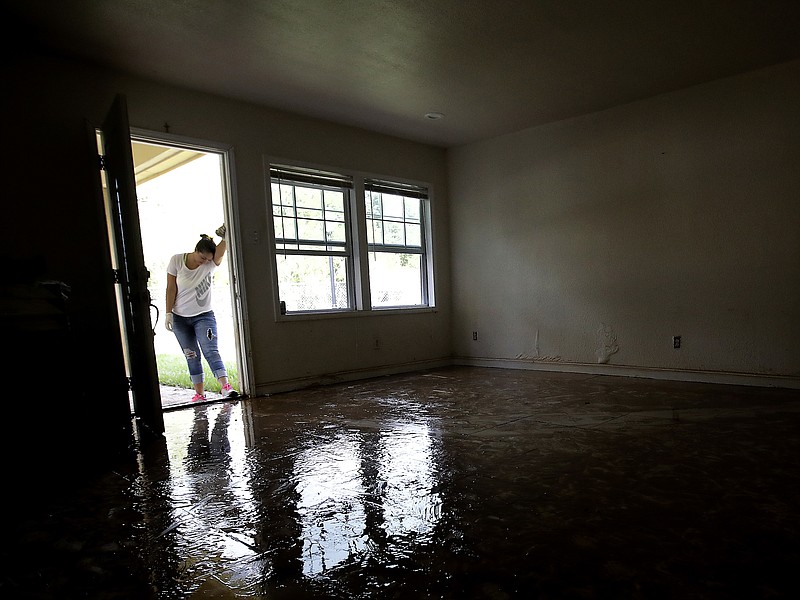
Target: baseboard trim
719, 377
288, 385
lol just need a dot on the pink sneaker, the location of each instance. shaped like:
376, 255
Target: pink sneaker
229, 392
198, 398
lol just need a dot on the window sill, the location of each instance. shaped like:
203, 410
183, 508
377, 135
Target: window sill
354, 314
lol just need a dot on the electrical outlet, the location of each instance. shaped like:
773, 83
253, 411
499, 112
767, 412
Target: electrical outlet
475, 336
676, 341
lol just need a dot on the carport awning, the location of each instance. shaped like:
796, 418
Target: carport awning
151, 161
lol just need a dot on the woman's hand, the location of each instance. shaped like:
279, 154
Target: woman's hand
222, 246
168, 322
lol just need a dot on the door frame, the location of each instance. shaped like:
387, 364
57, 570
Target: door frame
233, 238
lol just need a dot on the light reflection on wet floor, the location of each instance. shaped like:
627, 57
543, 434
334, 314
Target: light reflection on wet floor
357, 490
458, 483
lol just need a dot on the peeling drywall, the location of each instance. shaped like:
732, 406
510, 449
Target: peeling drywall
607, 343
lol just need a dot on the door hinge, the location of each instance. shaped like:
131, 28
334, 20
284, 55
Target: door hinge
101, 162
129, 381
117, 276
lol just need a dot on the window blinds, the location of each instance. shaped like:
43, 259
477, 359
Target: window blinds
398, 189
310, 176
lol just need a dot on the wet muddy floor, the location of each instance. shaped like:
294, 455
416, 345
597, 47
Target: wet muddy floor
457, 483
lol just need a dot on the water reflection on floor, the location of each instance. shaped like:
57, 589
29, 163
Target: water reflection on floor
455, 483
325, 483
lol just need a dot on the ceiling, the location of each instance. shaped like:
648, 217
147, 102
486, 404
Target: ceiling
489, 66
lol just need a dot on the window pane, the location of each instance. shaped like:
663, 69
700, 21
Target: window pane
336, 232
375, 202
313, 282
289, 232
412, 209
392, 207
393, 233
308, 197
286, 195
413, 235
395, 279
279, 234
310, 230
374, 232
334, 201
395, 220
309, 213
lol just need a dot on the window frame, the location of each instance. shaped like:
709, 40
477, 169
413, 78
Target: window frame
359, 292
323, 181
404, 191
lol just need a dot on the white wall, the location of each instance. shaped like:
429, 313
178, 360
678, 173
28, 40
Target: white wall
677, 215
50, 99
289, 354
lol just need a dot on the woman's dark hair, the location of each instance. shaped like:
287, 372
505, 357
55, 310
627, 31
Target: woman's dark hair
206, 244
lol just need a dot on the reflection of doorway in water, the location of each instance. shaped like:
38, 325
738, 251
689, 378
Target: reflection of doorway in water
181, 194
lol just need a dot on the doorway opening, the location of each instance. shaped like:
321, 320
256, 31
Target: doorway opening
182, 192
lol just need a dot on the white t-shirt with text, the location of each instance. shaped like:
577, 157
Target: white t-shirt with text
194, 286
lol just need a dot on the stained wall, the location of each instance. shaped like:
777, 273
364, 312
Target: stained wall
587, 244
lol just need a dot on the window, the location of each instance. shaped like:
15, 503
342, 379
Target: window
325, 243
310, 212
396, 242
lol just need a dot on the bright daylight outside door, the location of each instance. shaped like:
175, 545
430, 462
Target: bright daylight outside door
180, 192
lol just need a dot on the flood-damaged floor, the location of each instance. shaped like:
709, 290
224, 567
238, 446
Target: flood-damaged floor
457, 483
175, 397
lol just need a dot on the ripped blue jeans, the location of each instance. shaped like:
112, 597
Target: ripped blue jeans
196, 334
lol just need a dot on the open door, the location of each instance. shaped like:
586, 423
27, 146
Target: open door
131, 273
184, 187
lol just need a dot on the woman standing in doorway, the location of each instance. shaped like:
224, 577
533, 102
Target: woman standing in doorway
189, 314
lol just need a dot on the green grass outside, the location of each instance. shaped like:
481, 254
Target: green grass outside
172, 371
